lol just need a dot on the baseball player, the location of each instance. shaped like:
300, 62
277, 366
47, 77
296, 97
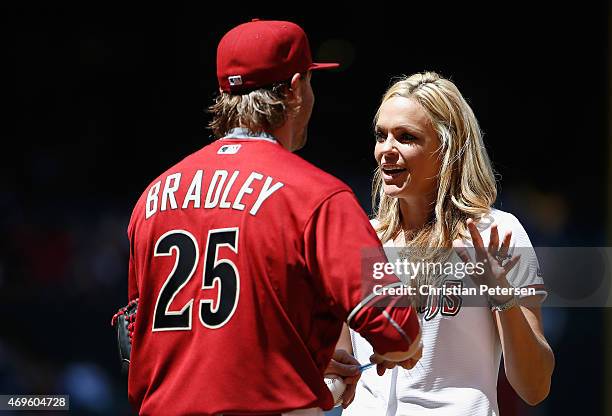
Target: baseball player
245, 260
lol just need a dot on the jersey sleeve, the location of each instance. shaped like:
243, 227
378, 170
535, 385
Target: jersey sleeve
341, 247
526, 274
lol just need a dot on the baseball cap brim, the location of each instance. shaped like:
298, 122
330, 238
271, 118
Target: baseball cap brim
330, 65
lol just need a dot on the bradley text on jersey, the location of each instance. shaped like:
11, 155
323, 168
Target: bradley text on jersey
218, 189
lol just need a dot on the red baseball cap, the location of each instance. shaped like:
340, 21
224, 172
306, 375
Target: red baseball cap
263, 52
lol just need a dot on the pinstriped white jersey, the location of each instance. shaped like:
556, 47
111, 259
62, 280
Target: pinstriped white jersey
457, 374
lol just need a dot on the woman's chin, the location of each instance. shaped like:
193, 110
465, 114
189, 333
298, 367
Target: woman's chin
393, 191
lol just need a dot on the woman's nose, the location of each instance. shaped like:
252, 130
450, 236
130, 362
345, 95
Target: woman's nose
388, 146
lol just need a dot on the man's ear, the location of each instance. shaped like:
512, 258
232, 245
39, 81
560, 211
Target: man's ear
296, 80
295, 87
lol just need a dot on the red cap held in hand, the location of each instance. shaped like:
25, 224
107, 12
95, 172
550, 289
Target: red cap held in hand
261, 53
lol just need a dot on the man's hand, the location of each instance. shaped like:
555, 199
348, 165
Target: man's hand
346, 366
382, 364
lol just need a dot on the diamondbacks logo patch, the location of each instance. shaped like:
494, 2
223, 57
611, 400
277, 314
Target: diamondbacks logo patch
229, 149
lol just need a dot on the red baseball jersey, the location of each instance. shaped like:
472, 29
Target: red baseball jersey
246, 260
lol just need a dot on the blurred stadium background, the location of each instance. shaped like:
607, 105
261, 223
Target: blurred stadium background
103, 97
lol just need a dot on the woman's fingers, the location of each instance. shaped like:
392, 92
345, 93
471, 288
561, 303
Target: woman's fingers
513, 261
494, 241
505, 247
481, 252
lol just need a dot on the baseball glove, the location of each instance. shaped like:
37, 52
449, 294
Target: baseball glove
123, 322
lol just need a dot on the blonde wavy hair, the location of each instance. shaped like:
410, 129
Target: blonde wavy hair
466, 182
264, 109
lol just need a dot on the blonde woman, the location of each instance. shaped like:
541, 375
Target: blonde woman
434, 187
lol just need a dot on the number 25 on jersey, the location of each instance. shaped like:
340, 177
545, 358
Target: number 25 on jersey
184, 246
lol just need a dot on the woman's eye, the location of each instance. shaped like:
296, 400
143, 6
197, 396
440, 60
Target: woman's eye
407, 137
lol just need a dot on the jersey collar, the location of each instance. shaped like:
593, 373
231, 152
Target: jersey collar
242, 133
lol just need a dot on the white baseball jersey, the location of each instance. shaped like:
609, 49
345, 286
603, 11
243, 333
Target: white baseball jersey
457, 374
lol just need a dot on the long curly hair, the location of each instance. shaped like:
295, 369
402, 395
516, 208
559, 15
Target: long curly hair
466, 182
